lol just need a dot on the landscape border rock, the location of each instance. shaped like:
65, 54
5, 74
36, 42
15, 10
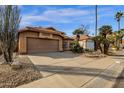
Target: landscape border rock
90, 55
16, 65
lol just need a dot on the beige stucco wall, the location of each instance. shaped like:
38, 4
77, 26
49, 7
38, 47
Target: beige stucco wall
82, 44
86, 44
23, 40
60, 41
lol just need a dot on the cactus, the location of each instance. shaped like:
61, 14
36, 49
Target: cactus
9, 24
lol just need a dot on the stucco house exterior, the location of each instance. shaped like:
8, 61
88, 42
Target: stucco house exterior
85, 41
39, 39
122, 43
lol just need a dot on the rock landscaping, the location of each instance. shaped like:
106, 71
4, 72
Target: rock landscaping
95, 55
18, 73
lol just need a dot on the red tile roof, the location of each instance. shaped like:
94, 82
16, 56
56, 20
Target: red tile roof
67, 37
45, 30
41, 29
82, 37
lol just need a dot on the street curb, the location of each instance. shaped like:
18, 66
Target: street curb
117, 78
107, 78
114, 86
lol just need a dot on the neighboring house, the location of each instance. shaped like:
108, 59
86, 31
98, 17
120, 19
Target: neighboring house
85, 41
122, 43
39, 39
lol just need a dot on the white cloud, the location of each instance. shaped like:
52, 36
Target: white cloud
67, 15
106, 15
48, 18
104, 9
24, 23
67, 12
105, 12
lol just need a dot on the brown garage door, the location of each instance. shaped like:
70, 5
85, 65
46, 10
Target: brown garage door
36, 45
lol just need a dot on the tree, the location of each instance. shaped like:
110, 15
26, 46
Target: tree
81, 30
119, 36
9, 24
104, 32
98, 41
118, 16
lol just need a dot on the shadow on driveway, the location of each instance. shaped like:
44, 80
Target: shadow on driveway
120, 81
76, 71
57, 55
117, 55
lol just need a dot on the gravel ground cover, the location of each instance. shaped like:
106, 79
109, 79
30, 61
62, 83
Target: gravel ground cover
10, 78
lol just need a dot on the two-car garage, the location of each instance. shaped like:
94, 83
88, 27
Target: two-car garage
35, 45
39, 39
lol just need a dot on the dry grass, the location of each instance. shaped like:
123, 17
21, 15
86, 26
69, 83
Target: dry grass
10, 78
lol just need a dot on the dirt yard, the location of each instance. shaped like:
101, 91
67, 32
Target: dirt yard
10, 78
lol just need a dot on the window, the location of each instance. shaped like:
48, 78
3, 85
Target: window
65, 45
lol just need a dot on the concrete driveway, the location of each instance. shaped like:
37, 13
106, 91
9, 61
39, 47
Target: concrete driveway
47, 61
65, 69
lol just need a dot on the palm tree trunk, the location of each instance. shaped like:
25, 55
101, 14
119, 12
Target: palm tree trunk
118, 25
118, 41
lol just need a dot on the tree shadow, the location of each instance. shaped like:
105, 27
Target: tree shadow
57, 55
121, 58
117, 55
120, 81
66, 70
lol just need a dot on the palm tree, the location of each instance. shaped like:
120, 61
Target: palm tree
118, 17
104, 31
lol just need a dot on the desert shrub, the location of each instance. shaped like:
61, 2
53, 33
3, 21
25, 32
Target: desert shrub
75, 47
89, 50
86, 50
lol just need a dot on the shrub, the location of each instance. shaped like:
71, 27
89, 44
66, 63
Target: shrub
75, 47
88, 50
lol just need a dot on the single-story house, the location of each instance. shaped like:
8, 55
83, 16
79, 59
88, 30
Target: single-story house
39, 39
122, 43
85, 41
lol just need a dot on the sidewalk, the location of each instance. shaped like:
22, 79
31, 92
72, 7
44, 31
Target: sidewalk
99, 73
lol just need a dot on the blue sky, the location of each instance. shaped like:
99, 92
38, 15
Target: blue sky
67, 18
